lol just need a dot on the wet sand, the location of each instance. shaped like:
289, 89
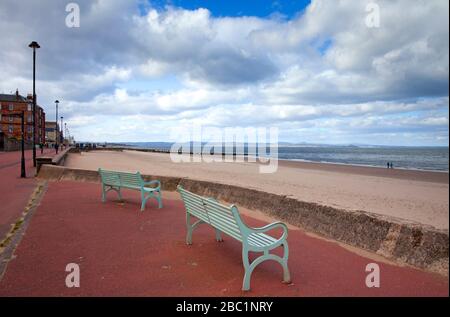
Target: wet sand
415, 196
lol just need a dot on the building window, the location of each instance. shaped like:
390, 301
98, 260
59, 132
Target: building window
10, 129
29, 118
11, 107
11, 118
29, 129
30, 107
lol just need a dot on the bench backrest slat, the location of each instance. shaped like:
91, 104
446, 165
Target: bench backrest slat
194, 205
129, 179
109, 177
224, 218
121, 179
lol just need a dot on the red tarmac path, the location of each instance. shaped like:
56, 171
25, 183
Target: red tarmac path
124, 252
15, 191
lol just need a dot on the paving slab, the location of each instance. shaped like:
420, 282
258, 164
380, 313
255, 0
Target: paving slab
15, 191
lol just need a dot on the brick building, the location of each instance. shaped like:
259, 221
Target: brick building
10, 127
52, 132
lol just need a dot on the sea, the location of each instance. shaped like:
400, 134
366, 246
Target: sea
403, 157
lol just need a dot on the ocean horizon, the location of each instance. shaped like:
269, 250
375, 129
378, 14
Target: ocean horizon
428, 158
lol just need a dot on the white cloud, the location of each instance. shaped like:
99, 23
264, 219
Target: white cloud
323, 69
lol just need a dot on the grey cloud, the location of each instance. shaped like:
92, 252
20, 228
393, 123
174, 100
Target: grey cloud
191, 41
233, 68
262, 69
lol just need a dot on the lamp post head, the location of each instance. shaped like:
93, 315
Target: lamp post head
34, 44
56, 101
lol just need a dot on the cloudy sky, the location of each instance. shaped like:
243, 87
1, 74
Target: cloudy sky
135, 70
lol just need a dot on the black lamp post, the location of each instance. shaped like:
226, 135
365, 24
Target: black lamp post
62, 134
22, 162
56, 127
34, 45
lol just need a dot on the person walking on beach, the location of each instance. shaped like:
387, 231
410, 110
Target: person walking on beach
388, 165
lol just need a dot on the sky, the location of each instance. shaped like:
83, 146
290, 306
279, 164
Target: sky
136, 70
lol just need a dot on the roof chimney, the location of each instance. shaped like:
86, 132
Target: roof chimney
17, 94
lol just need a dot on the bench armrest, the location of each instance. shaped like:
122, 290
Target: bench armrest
153, 182
271, 226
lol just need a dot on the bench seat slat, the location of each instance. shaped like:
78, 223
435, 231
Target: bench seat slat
256, 243
260, 239
112, 183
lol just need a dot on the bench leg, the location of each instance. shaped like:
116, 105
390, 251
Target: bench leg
159, 198
143, 201
189, 229
105, 190
249, 267
103, 193
284, 264
218, 236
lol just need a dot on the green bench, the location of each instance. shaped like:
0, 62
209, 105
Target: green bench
226, 219
112, 180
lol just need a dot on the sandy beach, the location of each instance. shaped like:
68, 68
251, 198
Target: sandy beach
416, 196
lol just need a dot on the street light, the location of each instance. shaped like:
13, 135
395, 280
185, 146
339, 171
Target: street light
34, 45
62, 134
22, 162
56, 126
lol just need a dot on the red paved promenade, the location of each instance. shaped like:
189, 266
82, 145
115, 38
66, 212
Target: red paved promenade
14, 190
122, 251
